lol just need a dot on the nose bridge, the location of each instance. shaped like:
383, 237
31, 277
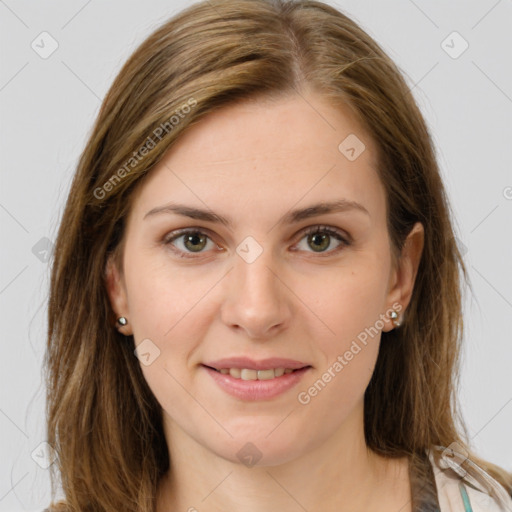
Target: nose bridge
256, 300
254, 274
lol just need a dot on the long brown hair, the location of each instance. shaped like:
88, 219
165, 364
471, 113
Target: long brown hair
103, 421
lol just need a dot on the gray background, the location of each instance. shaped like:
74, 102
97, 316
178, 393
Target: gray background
47, 110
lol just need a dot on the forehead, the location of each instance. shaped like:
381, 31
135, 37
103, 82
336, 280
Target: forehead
265, 156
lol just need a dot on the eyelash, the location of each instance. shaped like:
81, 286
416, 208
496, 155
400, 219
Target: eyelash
337, 234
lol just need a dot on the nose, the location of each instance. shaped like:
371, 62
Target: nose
257, 301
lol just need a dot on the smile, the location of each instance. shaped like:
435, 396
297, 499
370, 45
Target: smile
249, 374
252, 385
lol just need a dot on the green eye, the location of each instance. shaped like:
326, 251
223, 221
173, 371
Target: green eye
319, 238
320, 242
186, 242
194, 241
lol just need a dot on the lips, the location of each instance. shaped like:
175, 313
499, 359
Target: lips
249, 379
256, 389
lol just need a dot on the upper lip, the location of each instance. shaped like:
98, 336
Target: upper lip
251, 364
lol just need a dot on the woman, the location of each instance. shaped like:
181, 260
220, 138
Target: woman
255, 298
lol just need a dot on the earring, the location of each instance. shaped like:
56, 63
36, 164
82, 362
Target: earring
122, 320
394, 317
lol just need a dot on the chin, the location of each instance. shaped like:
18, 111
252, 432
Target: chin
259, 451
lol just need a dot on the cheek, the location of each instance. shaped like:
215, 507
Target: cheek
350, 305
161, 295
169, 307
166, 306
351, 309
349, 300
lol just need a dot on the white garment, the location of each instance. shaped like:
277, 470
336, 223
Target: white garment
449, 474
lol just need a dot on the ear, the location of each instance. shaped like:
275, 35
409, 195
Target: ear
116, 290
402, 278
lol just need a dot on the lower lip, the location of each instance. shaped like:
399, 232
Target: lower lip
256, 389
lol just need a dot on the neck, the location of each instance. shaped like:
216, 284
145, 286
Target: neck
341, 474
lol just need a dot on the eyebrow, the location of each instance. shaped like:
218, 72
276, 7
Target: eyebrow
341, 205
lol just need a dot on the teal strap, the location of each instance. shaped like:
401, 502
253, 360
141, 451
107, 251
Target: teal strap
465, 498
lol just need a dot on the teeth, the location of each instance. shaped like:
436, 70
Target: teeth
235, 372
266, 374
247, 374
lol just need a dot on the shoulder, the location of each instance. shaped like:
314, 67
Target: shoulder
462, 486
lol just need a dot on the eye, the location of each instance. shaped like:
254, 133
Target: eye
194, 241
319, 237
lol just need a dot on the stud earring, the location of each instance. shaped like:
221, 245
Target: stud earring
122, 321
394, 317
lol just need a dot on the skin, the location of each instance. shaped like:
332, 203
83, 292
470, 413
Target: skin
253, 162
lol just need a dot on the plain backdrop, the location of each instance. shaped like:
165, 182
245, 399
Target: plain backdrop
462, 81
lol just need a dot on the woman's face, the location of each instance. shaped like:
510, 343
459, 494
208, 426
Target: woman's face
259, 286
